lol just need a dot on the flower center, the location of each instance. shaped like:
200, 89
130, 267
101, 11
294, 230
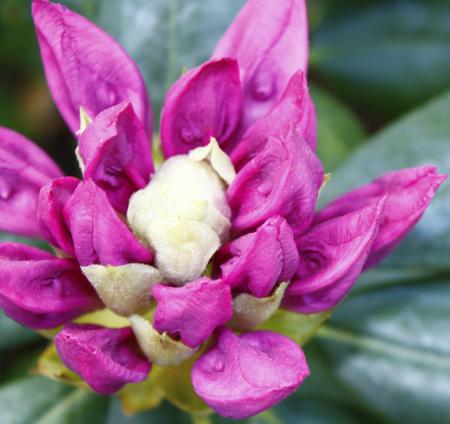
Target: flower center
183, 213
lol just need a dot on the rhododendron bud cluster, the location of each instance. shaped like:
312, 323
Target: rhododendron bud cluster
199, 252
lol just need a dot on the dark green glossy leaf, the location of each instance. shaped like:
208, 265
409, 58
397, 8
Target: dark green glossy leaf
14, 335
339, 130
40, 401
386, 56
308, 411
16, 364
88, 8
6, 237
297, 409
16, 32
392, 346
420, 138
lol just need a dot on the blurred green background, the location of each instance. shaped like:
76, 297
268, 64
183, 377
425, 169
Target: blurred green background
380, 78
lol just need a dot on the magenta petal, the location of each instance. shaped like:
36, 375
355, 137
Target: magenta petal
256, 262
99, 235
332, 255
409, 192
244, 375
205, 102
283, 179
24, 169
86, 67
269, 39
194, 311
52, 200
294, 112
106, 358
41, 291
116, 153
25, 150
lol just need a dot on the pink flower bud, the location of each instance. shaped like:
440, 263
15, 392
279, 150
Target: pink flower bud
115, 150
106, 358
243, 375
194, 311
85, 67
99, 235
41, 291
205, 102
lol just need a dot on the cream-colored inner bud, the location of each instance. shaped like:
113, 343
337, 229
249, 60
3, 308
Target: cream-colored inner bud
160, 349
183, 215
85, 121
250, 311
217, 158
125, 289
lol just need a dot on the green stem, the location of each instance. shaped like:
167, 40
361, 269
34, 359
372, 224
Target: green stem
201, 419
267, 417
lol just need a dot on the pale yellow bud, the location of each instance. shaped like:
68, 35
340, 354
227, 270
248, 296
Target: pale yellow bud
183, 215
160, 349
250, 311
124, 289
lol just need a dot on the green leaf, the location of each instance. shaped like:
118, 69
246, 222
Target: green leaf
420, 138
14, 335
40, 401
339, 130
18, 54
88, 8
6, 237
296, 410
17, 364
392, 346
163, 36
386, 56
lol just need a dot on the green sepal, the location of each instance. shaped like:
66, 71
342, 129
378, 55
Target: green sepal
297, 327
